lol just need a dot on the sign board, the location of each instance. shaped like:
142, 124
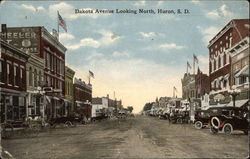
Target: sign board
26, 39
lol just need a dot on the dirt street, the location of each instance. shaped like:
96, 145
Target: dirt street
139, 137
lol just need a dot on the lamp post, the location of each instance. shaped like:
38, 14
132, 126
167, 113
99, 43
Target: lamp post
234, 93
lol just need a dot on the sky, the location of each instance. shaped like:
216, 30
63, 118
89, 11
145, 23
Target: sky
137, 56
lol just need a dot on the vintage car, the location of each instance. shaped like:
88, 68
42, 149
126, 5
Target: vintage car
227, 119
201, 119
67, 121
179, 117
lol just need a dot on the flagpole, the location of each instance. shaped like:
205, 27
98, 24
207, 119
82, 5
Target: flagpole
193, 65
58, 24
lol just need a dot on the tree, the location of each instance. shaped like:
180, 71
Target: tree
130, 108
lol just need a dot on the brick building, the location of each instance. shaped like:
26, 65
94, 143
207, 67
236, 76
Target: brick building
82, 98
220, 60
201, 84
39, 42
12, 82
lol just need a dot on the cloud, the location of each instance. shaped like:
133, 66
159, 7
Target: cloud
108, 37
147, 35
66, 36
171, 46
140, 3
195, 1
221, 12
208, 33
31, 7
213, 14
94, 55
68, 11
86, 42
120, 54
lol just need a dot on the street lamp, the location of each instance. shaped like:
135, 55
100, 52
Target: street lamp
234, 93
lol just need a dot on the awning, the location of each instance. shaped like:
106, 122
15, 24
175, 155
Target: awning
243, 72
238, 103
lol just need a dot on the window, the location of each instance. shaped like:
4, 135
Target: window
230, 42
1, 72
224, 59
48, 60
21, 81
35, 78
214, 64
8, 74
40, 78
30, 77
15, 76
219, 62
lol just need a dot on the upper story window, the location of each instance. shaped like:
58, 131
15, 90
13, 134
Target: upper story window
1, 72
214, 65
35, 78
15, 76
8, 74
30, 77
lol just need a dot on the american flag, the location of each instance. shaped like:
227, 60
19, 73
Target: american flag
61, 22
91, 74
188, 65
195, 59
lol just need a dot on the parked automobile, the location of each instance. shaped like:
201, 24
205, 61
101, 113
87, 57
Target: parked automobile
179, 116
201, 119
67, 121
228, 119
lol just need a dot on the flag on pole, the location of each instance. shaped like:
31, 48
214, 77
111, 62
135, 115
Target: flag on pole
61, 22
195, 59
91, 74
188, 65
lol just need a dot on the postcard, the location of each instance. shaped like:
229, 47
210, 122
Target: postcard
124, 79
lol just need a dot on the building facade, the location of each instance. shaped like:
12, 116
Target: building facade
220, 60
82, 98
99, 105
39, 42
12, 82
240, 68
69, 102
34, 81
188, 87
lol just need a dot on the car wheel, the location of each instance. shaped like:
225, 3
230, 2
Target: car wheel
68, 124
213, 130
228, 128
215, 121
198, 125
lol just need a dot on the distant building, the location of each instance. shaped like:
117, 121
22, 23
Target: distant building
188, 87
82, 98
12, 82
98, 104
69, 102
201, 84
220, 60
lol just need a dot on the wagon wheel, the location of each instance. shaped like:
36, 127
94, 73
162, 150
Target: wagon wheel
179, 120
7, 130
245, 132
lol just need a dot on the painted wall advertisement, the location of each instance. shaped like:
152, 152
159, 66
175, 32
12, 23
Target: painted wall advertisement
26, 38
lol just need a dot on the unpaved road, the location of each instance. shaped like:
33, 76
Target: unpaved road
140, 137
